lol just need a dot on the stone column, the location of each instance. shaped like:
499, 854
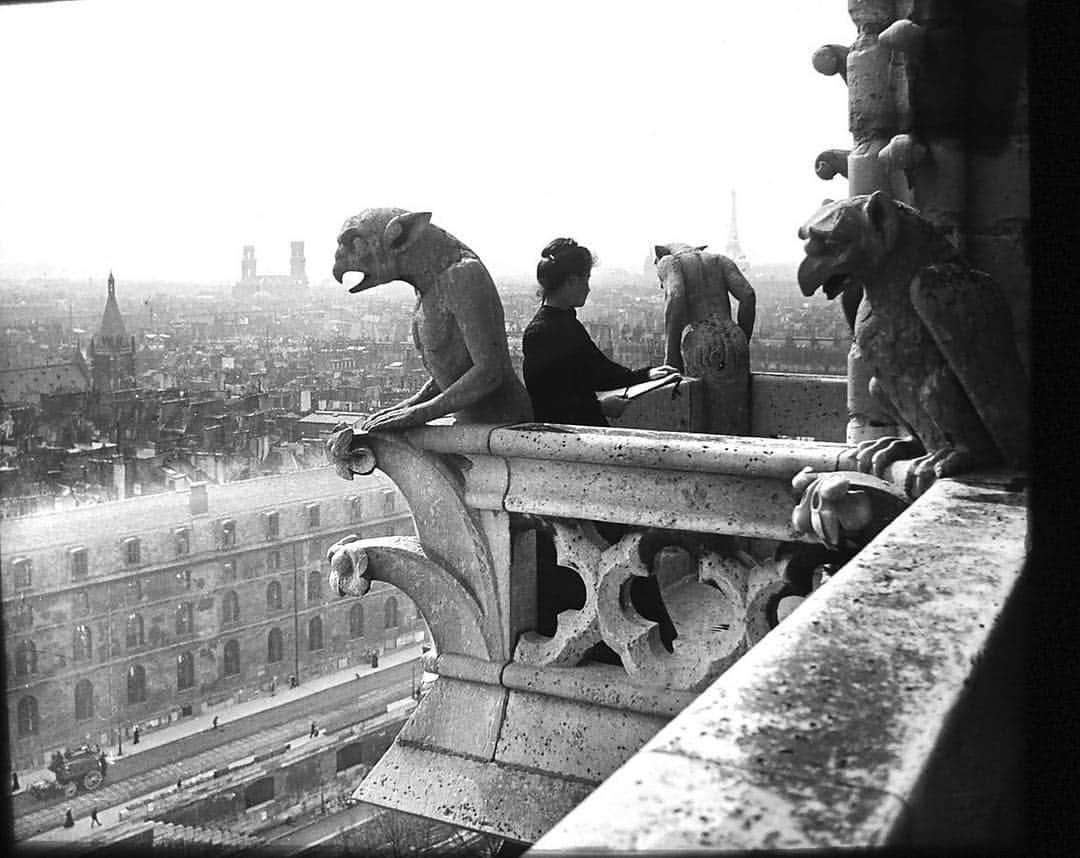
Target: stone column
866, 67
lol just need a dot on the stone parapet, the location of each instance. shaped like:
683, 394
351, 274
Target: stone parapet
521, 725
884, 711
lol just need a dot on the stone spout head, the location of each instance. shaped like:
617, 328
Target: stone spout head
374, 244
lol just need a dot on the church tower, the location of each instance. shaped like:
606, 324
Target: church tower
112, 352
733, 250
297, 262
247, 263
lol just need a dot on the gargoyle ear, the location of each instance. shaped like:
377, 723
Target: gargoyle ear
826, 202
661, 250
882, 215
702, 247
404, 229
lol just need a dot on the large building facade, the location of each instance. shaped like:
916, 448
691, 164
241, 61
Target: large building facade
147, 610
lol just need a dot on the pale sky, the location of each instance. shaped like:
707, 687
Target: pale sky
158, 138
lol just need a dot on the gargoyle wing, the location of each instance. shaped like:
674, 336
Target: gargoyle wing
969, 319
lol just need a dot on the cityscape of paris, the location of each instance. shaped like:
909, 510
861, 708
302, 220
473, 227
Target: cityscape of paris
175, 355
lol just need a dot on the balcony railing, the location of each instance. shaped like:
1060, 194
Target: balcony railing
521, 727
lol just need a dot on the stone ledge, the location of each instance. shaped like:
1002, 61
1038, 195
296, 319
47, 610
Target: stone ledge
828, 726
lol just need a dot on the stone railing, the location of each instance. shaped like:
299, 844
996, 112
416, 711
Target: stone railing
886, 711
521, 725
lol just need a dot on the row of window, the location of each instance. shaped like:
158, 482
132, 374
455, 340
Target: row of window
26, 653
23, 568
27, 714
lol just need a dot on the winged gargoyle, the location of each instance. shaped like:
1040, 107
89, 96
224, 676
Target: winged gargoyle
936, 333
458, 324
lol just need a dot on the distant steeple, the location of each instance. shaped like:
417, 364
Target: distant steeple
733, 250
112, 333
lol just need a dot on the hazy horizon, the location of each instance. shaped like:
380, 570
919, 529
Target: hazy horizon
158, 139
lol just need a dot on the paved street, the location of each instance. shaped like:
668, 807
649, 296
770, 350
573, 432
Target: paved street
189, 748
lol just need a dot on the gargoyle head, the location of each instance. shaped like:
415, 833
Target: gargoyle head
846, 240
373, 243
673, 248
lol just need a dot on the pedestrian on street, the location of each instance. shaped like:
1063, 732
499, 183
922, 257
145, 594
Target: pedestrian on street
273, 686
215, 722
93, 818
179, 783
135, 735
15, 782
314, 732
69, 820
103, 763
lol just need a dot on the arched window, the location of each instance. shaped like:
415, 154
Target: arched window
275, 646
314, 634
185, 671
273, 596
134, 631
390, 613
82, 603
82, 645
136, 684
25, 658
84, 700
356, 621
314, 587
230, 608
27, 716
185, 619
231, 665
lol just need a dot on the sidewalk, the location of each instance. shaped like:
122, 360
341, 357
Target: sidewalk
234, 712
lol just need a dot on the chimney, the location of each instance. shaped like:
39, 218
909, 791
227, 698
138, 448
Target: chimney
197, 499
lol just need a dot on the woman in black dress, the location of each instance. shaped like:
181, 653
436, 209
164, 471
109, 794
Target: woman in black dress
563, 367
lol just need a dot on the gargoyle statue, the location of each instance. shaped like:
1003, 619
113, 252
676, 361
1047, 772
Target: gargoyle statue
697, 305
458, 323
936, 334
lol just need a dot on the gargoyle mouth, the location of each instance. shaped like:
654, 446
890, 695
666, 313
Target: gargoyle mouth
834, 285
350, 277
817, 272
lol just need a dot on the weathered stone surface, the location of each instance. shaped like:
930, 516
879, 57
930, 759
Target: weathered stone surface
798, 406
459, 718
821, 735
559, 736
503, 800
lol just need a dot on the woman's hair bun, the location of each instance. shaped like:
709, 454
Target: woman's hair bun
555, 247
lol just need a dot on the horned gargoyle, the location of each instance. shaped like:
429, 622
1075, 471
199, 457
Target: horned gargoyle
458, 324
697, 304
936, 333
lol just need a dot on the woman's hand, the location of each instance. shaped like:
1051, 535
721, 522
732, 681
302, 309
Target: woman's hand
661, 371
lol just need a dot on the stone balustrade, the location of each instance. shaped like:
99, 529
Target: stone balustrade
522, 725
885, 711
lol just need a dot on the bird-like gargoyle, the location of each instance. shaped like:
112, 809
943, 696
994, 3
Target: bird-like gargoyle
936, 333
458, 324
698, 288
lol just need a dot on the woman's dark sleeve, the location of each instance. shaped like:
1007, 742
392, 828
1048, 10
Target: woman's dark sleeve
605, 374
